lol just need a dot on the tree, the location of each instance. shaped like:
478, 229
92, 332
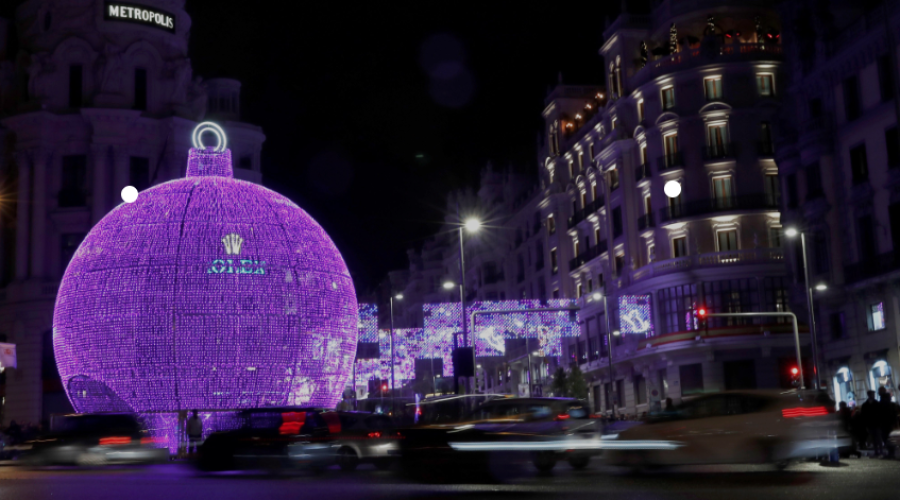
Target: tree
577, 386
560, 386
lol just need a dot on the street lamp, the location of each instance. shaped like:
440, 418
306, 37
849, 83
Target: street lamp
399, 296
612, 386
448, 285
472, 225
672, 189
792, 232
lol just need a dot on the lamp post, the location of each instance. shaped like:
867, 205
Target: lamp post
612, 385
792, 232
472, 225
399, 296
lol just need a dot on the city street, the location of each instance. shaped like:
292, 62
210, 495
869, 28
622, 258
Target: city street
865, 478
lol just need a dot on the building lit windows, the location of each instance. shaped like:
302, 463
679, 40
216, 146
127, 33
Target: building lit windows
596, 235
713, 88
571, 169
590, 285
554, 261
651, 252
670, 145
668, 98
614, 123
551, 224
640, 109
717, 135
859, 164
584, 201
765, 84
648, 205
772, 189
675, 206
580, 161
722, 192
776, 236
594, 191
578, 290
613, 178
575, 246
679, 247
876, 317
644, 155
727, 240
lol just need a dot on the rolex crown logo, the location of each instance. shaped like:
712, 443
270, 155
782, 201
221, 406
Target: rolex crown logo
232, 243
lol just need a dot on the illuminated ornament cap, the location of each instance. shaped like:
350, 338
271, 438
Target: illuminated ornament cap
206, 292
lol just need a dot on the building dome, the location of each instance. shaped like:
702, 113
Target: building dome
206, 292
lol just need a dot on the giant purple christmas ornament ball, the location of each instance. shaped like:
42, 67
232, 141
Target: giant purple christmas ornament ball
206, 292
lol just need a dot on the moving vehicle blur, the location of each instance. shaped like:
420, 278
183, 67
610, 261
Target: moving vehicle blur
273, 439
365, 438
500, 435
95, 440
733, 427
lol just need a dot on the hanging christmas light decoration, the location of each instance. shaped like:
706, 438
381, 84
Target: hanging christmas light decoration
206, 292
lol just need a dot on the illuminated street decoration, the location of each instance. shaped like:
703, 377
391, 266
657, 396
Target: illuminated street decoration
634, 314
207, 292
443, 322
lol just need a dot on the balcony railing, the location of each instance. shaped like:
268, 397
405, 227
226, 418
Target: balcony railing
582, 214
872, 267
681, 264
670, 160
687, 58
72, 198
713, 205
588, 255
718, 152
642, 172
646, 221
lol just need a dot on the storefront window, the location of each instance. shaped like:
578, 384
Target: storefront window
876, 317
881, 375
843, 387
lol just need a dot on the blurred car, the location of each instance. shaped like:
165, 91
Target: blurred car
274, 439
733, 427
365, 438
500, 434
94, 440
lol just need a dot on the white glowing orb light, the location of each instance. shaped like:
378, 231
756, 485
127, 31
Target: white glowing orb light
222, 141
129, 194
473, 225
672, 189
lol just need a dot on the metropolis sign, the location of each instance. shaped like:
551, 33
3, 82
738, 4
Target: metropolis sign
139, 14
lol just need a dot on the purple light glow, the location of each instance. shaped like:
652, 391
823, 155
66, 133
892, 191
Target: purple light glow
210, 293
634, 314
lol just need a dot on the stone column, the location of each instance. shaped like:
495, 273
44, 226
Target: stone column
40, 158
100, 181
23, 214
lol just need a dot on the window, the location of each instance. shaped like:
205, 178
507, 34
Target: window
859, 164
679, 247
775, 296
765, 83
139, 172
617, 222
776, 235
838, 325
640, 110
675, 206
885, 78
691, 379
892, 139
551, 224
677, 308
640, 389
596, 235
722, 194
571, 169
727, 240
813, 181
74, 175
614, 123
852, 107
644, 155
670, 143
668, 98
580, 161
575, 246
651, 249
76, 86
648, 205
613, 179
68, 244
584, 199
590, 285
620, 264
765, 139
556, 293
791, 186
140, 89
591, 152
594, 191
876, 317
717, 134
713, 87
773, 190
554, 264
578, 290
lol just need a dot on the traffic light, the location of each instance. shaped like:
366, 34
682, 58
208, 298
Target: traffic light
384, 387
702, 318
795, 376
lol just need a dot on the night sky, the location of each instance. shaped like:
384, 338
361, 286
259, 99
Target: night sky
374, 111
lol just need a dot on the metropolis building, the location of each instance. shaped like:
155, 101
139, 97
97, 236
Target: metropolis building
100, 95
